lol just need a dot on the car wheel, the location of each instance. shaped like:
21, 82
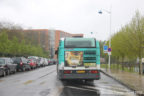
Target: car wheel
18, 69
8, 72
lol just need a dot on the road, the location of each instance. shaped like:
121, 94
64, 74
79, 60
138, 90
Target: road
43, 82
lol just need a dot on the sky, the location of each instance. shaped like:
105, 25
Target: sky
73, 16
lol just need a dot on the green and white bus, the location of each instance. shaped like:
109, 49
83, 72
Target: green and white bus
78, 58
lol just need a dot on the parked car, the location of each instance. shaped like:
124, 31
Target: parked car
21, 63
35, 58
32, 63
40, 62
36, 61
52, 61
7, 66
45, 62
2, 69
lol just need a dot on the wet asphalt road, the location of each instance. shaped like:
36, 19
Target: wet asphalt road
43, 82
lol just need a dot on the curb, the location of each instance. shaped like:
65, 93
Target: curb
122, 83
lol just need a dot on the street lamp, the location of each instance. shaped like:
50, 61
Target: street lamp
109, 53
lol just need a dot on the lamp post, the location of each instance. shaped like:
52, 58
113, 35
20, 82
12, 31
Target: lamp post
109, 53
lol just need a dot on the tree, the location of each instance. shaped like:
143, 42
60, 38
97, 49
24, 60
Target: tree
4, 44
128, 41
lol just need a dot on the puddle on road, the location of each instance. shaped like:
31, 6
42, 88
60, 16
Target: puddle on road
118, 88
45, 92
77, 88
28, 82
79, 91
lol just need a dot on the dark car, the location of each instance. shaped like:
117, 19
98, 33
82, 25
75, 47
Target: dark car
7, 66
22, 63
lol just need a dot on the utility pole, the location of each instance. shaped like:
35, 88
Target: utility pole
109, 53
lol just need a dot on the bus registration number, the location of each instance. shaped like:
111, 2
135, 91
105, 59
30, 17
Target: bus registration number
81, 71
90, 64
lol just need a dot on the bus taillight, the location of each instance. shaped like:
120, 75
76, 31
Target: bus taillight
94, 71
67, 72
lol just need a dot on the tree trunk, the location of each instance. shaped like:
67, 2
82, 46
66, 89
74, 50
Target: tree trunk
140, 61
117, 62
122, 63
140, 66
106, 64
130, 66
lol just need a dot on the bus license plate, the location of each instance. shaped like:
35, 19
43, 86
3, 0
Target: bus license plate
81, 71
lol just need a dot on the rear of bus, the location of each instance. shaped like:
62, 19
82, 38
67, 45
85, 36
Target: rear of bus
78, 58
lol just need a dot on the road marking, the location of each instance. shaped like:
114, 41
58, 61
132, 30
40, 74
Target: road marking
47, 74
28, 82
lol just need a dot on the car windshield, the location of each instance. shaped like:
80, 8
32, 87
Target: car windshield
80, 43
2, 61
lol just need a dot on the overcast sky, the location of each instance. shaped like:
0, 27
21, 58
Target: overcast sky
73, 16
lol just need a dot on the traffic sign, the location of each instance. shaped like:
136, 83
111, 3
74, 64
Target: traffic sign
109, 49
105, 48
109, 53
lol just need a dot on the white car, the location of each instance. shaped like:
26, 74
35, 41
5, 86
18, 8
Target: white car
45, 62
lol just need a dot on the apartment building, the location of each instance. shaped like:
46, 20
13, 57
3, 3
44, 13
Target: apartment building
48, 38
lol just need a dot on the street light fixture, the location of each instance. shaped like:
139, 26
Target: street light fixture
109, 12
100, 12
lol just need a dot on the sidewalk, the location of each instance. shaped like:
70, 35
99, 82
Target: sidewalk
131, 80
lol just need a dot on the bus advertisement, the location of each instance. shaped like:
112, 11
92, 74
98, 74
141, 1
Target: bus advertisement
78, 58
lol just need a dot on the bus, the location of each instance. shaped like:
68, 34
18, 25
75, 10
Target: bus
78, 58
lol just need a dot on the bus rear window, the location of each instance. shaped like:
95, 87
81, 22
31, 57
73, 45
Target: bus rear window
80, 43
